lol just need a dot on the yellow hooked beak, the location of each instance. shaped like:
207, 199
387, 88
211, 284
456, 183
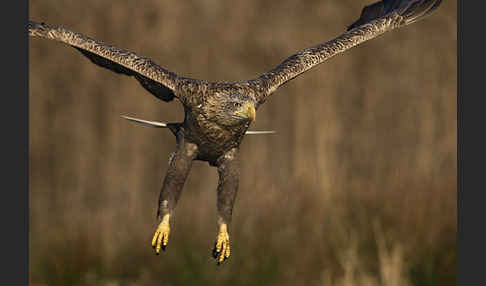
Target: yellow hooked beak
249, 111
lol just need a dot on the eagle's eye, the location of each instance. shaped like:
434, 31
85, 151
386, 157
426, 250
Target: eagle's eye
237, 104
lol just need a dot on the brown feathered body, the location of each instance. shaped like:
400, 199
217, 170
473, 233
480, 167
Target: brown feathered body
202, 123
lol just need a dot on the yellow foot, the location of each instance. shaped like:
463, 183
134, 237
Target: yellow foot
161, 236
221, 250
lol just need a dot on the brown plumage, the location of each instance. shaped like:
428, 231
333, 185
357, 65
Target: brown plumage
218, 114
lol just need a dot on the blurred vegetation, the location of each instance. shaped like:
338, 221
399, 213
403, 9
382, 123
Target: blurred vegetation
357, 188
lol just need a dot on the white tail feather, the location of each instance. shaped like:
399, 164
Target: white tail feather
146, 122
164, 125
254, 132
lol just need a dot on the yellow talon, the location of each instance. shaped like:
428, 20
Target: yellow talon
161, 236
222, 246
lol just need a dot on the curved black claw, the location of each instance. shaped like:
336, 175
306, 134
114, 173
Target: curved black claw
221, 250
217, 255
161, 236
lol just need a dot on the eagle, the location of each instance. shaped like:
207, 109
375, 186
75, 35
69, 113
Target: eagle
219, 114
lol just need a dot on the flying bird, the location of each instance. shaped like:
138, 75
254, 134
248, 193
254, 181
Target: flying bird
218, 114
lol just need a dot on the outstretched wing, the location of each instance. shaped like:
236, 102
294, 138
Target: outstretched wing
157, 80
376, 19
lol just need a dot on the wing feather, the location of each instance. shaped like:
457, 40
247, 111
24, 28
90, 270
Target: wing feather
157, 80
375, 20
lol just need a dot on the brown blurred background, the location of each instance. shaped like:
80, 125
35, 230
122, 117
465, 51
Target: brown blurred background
357, 188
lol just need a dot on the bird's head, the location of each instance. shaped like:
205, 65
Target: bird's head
230, 109
240, 108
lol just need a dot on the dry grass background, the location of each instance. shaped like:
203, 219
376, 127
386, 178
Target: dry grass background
357, 188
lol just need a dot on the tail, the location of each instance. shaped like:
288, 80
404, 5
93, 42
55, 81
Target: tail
146, 122
170, 125
173, 127
410, 10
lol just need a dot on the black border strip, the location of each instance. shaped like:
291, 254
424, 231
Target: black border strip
471, 143
15, 142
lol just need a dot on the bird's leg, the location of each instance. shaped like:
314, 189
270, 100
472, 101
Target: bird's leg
179, 165
229, 172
